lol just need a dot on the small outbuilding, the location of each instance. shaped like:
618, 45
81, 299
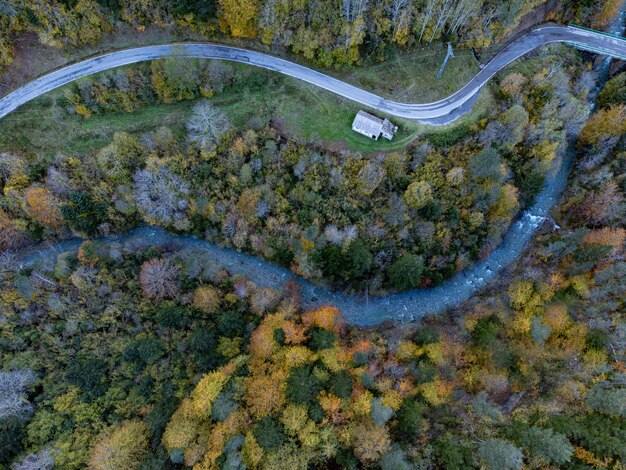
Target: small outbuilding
371, 126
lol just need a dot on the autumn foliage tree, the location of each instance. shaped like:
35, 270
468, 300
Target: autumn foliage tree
237, 17
604, 125
43, 206
10, 236
125, 447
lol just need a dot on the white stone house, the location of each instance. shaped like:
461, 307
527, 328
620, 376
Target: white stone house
372, 126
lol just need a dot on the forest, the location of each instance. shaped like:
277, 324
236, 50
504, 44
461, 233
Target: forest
116, 356
325, 32
392, 222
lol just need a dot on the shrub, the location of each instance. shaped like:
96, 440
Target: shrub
406, 272
89, 253
426, 335
485, 409
10, 236
539, 331
486, 165
596, 339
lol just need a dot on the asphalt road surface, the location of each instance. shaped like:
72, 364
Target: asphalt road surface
436, 113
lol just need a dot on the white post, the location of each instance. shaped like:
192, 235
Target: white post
445, 61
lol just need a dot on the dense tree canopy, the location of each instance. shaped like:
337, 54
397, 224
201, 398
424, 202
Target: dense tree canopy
117, 356
328, 32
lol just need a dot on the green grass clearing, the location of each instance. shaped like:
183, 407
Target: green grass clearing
305, 112
412, 76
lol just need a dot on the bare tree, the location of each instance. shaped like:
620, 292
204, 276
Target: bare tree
220, 74
399, 13
352, 9
444, 12
463, 11
58, 182
263, 300
428, 14
42, 460
13, 385
158, 278
334, 235
268, 19
207, 125
489, 15
604, 205
8, 262
11, 164
161, 196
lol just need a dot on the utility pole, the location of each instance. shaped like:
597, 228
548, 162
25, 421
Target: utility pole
445, 61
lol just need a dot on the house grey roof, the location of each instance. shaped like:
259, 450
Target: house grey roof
367, 123
388, 127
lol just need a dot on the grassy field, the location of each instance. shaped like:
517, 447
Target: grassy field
412, 76
303, 111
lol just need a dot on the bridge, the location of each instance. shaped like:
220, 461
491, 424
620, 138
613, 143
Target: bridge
609, 44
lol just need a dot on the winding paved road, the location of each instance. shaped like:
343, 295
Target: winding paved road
436, 113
